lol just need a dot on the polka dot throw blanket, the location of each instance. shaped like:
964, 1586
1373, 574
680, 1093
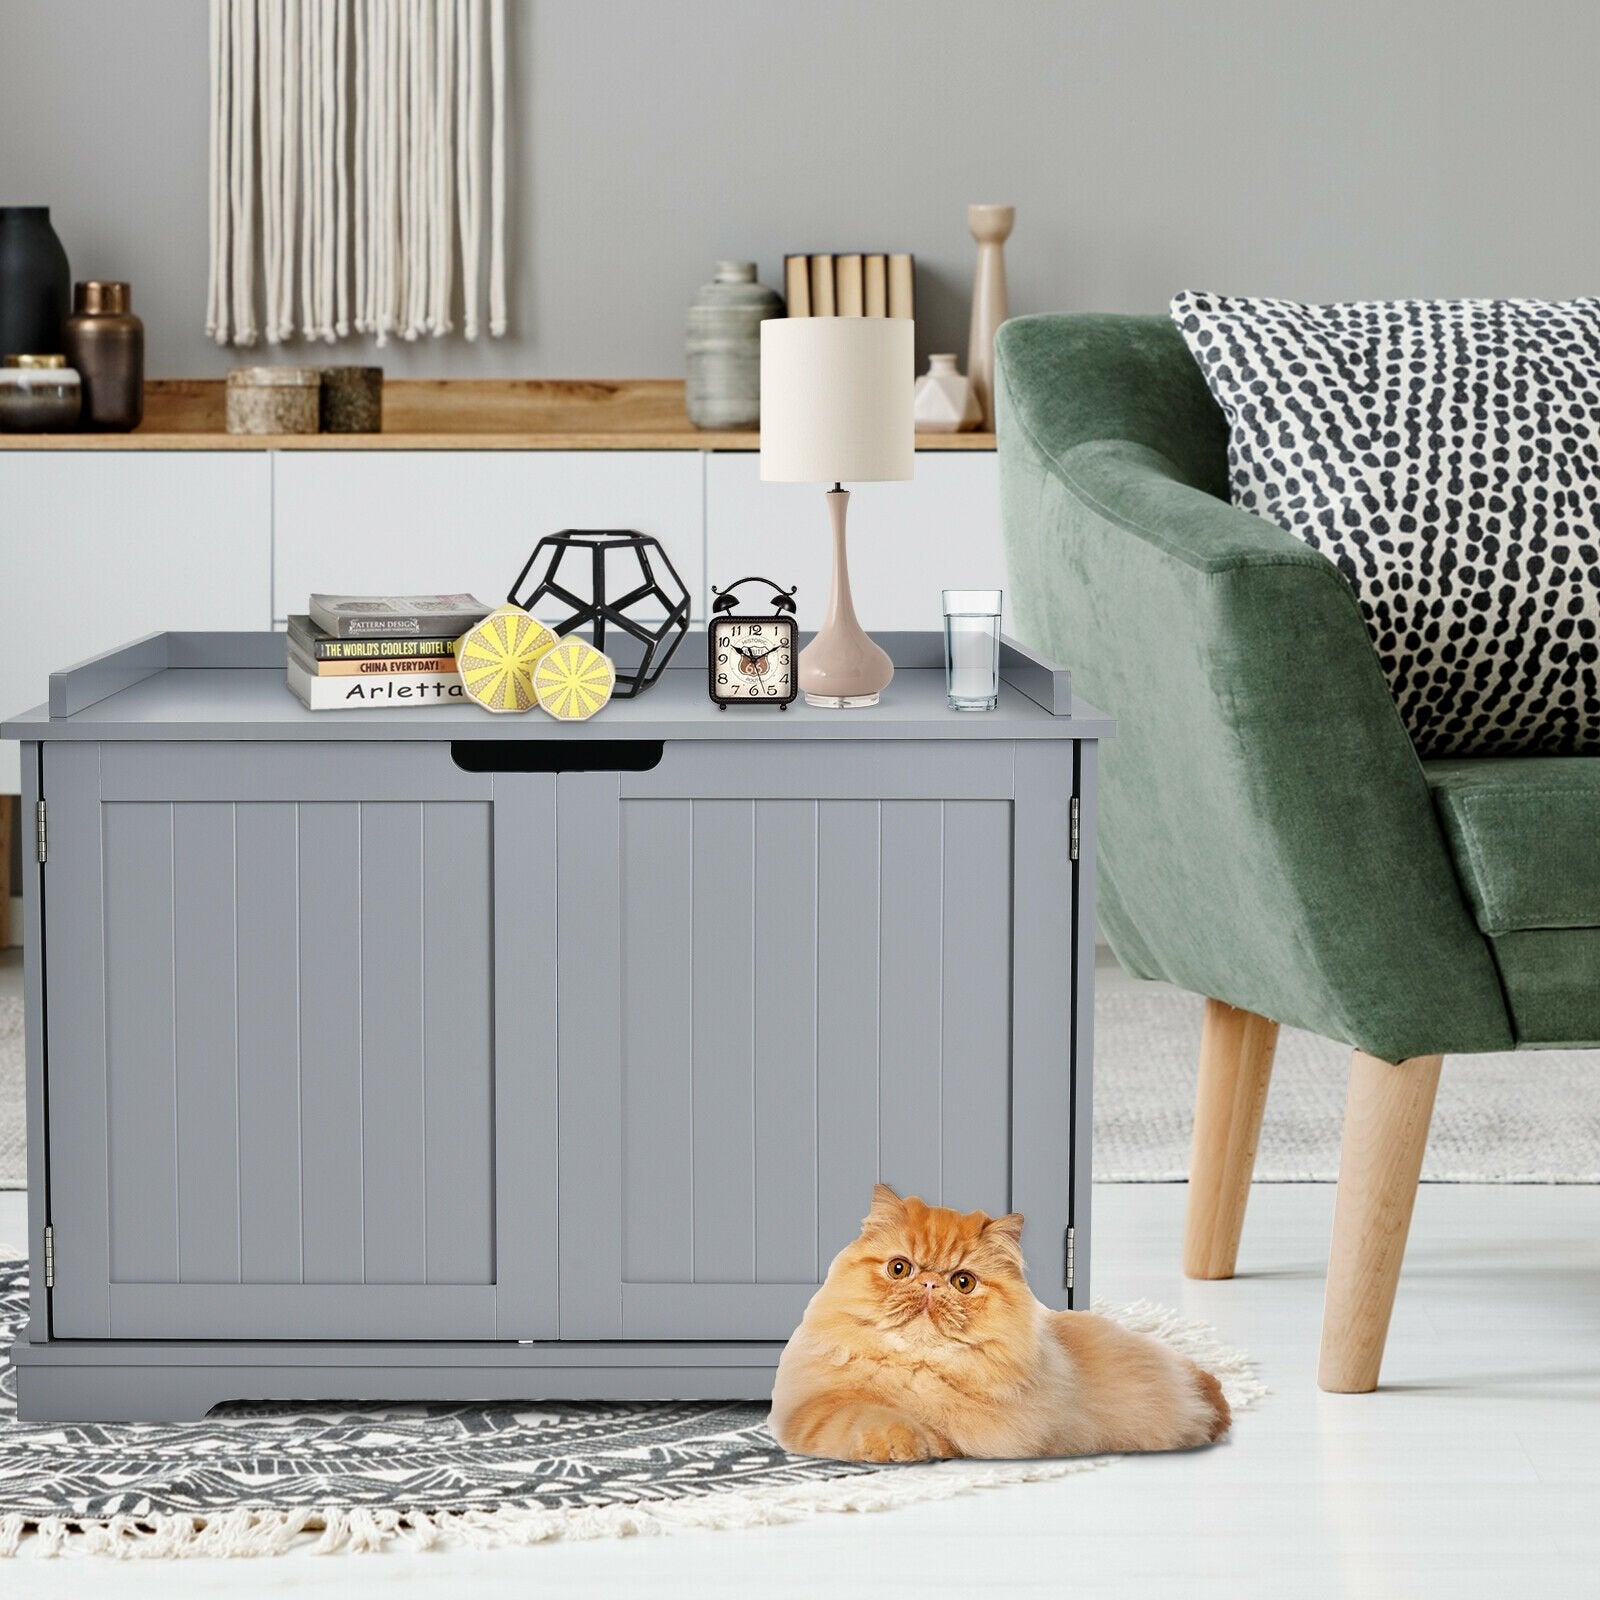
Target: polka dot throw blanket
1445, 455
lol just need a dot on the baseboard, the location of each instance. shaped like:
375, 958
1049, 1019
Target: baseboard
16, 919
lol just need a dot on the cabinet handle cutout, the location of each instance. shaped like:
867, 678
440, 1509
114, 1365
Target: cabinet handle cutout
556, 755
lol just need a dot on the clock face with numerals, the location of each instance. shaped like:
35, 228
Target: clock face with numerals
753, 661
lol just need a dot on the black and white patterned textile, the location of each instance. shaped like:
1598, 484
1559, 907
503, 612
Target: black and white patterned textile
431, 1458
1445, 455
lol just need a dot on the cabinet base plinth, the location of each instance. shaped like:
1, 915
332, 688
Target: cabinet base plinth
176, 1381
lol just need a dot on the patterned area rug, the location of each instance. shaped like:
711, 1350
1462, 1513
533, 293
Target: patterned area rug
1527, 1117
260, 1480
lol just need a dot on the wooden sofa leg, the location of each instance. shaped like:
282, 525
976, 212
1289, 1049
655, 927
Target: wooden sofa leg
1385, 1133
1235, 1067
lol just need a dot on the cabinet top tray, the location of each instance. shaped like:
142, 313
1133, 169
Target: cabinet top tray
232, 686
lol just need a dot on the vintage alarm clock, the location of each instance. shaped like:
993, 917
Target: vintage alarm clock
753, 659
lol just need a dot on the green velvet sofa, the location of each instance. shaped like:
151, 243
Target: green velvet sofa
1268, 837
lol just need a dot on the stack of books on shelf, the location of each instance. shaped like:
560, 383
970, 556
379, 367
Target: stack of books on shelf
351, 651
848, 286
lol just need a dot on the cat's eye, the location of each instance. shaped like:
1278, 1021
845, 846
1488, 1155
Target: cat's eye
963, 1282
900, 1268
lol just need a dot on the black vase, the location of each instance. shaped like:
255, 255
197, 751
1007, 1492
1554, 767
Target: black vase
34, 283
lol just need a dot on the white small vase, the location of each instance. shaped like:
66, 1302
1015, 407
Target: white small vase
944, 401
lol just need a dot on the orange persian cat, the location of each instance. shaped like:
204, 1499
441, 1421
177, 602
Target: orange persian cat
926, 1341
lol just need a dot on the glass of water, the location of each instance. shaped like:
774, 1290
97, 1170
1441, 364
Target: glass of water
972, 648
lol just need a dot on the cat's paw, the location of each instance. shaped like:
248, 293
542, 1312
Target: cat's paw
898, 1441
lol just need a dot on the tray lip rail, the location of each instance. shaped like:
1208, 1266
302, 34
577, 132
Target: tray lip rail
86, 683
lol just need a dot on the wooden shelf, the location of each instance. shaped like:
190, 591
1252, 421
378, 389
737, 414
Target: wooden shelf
451, 414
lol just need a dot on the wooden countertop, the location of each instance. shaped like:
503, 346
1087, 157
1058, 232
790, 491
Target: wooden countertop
451, 414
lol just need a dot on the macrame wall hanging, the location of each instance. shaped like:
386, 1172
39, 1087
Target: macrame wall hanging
347, 168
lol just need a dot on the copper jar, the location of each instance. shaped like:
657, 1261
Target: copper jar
105, 342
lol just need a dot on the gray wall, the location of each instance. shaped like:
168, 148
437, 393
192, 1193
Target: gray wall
1352, 149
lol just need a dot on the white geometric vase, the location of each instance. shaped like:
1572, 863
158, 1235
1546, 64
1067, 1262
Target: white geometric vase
944, 401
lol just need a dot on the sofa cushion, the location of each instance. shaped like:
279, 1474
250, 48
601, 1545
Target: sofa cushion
1445, 454
1525, 834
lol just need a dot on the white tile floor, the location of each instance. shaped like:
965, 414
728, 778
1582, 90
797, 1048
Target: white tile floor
1475, 1472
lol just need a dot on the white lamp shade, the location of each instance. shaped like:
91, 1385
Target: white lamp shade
836, 399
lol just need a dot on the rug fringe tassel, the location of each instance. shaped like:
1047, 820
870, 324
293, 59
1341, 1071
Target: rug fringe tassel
363, 1529
238, 1534
1198, 1341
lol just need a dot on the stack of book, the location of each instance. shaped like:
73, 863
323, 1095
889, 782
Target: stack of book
351, 651
848, 286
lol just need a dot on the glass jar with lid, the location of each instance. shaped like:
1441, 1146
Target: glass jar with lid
39, 394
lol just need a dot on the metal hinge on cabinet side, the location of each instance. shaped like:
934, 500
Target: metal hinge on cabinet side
1072, 834
42, 846
49, 1255
1072, 1264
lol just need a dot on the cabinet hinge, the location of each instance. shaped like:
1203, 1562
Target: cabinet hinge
49, 1255
1071, 1263
41, 842
1073, 829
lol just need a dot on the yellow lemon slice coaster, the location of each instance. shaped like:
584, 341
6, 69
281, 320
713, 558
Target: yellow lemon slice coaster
496, 659
574, 680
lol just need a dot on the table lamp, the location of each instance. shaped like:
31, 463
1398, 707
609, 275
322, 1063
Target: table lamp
836, 407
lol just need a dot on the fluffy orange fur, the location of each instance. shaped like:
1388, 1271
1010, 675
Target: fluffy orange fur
925, 1341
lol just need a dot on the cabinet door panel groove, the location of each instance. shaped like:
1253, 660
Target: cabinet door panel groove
271, 1205
658, 1043
784, 1052
142, 1081
204, 1031
723, 984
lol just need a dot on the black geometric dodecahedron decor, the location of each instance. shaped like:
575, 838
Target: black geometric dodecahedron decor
617, 583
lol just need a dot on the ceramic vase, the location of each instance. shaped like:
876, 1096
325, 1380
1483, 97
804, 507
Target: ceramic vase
944, 401
991, 227
34, 283
105, 342
723, 387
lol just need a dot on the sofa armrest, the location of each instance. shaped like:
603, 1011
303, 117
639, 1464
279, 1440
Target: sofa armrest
1266, 832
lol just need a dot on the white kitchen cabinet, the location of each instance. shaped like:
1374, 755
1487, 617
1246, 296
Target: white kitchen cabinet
907, 540
464, 521
99, 547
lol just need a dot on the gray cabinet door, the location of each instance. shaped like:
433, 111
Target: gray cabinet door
300, 1051
787, 972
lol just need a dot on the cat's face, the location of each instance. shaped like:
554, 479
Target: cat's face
929, 1275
